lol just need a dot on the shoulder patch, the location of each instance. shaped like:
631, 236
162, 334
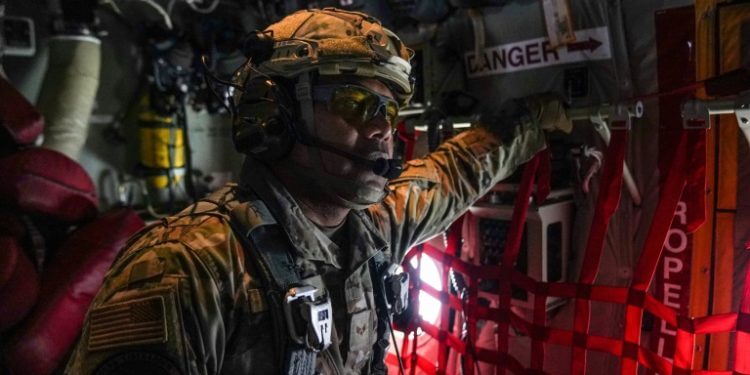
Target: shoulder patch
135, 322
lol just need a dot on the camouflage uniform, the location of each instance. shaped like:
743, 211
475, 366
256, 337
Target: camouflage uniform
180, 299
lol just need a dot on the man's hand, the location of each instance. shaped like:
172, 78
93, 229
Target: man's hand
549, 111
545, 110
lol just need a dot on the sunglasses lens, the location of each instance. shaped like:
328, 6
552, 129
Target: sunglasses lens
359, 105
391, 112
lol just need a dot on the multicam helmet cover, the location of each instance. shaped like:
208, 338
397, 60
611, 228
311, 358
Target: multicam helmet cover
334, 42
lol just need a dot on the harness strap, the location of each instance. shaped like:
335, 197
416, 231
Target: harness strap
377, 267
267, 247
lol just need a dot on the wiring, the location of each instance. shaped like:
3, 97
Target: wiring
209, 9
161, 11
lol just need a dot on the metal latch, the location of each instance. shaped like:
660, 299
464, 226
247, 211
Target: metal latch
309, 319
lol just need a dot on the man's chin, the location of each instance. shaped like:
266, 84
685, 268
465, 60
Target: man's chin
370, 179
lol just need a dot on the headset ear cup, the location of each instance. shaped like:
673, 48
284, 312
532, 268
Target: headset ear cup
262, 126
278, 138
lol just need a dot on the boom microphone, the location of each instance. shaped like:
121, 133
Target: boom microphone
388, 168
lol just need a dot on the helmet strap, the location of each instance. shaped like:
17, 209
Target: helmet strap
306, 124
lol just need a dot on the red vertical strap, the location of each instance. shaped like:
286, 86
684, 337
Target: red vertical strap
684, 343
742, 335
669, 196
543, 176
610, 187
510, 252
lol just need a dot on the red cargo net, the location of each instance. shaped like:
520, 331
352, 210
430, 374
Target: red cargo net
685, 174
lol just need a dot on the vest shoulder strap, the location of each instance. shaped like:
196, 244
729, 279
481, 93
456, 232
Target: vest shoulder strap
268, 254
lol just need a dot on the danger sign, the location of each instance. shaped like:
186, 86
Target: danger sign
592, 44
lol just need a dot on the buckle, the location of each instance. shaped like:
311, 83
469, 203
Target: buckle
396, 290
308, 319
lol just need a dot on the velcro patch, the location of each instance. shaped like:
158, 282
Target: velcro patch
256, 301
251, 215
135, 322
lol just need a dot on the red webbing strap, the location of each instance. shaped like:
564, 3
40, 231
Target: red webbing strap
543, 176
742, 336
610, 187
539, 332
510, 253
669, 196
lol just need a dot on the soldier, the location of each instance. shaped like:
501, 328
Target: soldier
284, 271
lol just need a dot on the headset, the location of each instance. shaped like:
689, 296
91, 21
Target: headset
263, 122
264, 117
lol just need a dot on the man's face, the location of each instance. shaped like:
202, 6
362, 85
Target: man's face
370, 139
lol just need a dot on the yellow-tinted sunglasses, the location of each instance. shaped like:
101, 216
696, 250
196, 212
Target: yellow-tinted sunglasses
356, 104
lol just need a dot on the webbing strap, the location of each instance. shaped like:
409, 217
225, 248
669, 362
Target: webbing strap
268, 248
607, 201
378, 267
510, 253
684, 165
669, 196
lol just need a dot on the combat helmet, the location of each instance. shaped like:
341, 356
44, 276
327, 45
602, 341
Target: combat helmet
275, 106
331, 41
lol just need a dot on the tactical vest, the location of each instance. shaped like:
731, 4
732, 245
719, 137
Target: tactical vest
302, 316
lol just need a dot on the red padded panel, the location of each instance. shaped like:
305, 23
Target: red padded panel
19, 283
11, 224
69, 285
20, 123
45, 182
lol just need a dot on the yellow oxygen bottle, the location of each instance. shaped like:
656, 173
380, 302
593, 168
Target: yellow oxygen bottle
161, 153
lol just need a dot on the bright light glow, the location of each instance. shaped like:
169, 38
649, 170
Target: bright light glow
429, 306
458, 125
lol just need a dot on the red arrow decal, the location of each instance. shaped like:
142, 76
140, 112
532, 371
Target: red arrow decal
591, 45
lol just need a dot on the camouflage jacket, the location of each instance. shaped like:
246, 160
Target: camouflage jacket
179, 299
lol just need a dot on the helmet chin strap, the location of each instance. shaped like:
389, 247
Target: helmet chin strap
339, 190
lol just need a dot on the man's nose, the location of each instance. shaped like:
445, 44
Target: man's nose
378, 126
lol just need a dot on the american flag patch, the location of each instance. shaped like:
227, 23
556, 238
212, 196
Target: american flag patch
135, 322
